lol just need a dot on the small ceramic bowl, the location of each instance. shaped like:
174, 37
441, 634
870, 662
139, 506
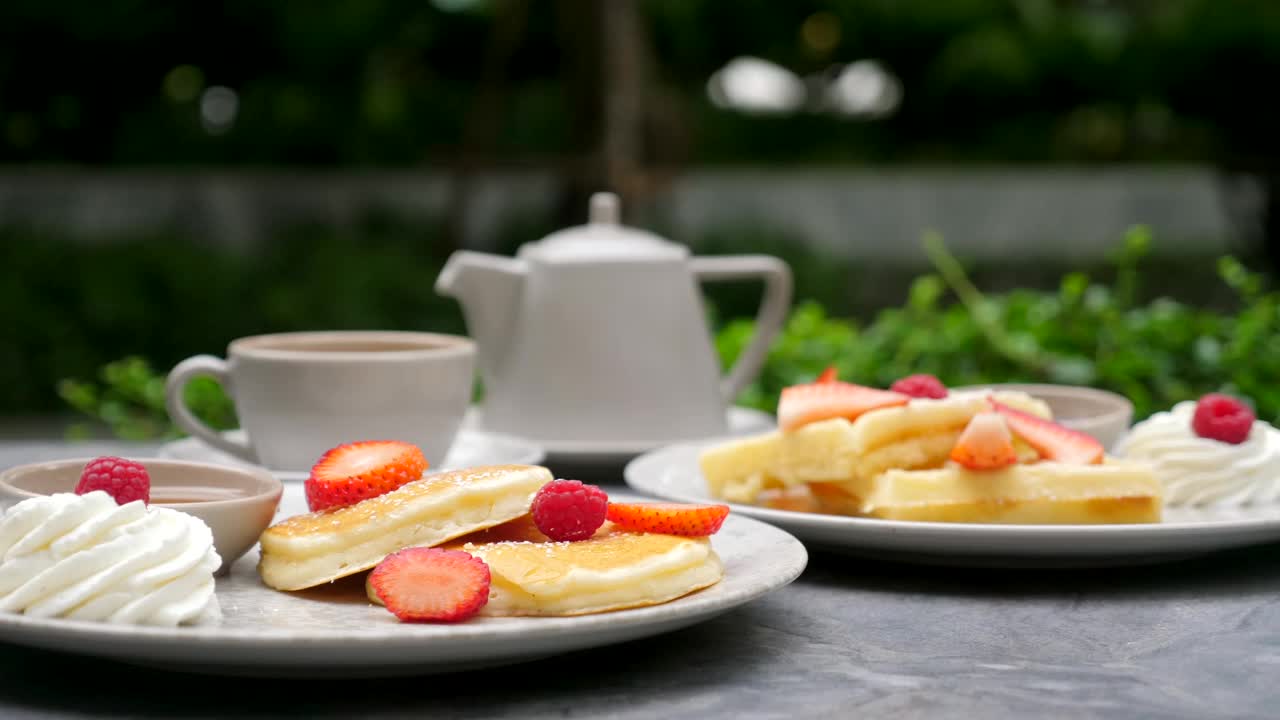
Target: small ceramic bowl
237, 503
1101, 413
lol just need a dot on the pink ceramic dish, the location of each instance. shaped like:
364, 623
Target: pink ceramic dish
236, 503
1101, 413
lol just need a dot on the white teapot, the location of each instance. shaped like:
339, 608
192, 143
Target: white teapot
597, 333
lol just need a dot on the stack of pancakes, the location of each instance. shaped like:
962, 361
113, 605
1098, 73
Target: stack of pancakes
892, 463
485, 511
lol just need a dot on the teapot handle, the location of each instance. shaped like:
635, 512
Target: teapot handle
773, 309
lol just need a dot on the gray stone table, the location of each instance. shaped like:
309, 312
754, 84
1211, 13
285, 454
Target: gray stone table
851, 638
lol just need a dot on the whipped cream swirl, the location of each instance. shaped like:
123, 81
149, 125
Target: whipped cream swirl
1197, 471
84, 557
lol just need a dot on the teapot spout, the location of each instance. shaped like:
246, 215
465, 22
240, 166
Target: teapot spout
488, 287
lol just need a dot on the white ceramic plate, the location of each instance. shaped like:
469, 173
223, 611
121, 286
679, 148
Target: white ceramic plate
335, 631
741, 421
672, 473
470, 448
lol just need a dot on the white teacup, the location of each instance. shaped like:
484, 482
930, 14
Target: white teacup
299, 394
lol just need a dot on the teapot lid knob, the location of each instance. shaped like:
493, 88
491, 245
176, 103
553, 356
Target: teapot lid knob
604, 209
603, 238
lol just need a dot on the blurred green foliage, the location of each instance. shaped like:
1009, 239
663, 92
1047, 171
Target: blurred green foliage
390, 82
128, 398
71, 306
1157, 353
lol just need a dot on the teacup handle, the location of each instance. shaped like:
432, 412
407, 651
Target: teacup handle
174, 391
772, 314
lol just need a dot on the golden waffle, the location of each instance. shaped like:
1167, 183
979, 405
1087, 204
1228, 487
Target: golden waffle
1039, 493
917, 435
613, 570
307, 550
740, 469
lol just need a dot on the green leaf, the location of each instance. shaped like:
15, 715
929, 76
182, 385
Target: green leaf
925, 293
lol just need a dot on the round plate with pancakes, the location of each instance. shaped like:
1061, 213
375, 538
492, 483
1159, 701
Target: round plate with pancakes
672, 473
335, 630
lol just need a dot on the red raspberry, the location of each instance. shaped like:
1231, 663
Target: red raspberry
124, 480
1220, 417
569, 510
920, 386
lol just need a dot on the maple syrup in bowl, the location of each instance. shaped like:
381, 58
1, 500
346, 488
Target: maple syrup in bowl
237, 503
183, 494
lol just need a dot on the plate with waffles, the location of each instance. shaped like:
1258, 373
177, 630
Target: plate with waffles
375, 566
973, 476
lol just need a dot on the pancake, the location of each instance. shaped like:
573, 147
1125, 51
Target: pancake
612, 570
315, 548
918, 435
1039, 493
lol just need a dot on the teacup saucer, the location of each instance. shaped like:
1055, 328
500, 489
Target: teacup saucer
471, 447
741, 421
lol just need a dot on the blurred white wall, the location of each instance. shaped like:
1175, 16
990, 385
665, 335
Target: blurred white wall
864, 213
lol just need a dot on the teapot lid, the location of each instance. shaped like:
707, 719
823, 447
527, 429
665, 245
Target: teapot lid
603, 238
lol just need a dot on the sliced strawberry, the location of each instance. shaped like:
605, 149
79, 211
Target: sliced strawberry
1050, 439
669, 518
802, 404
358, 471
828, 375
985, 444
431, 585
